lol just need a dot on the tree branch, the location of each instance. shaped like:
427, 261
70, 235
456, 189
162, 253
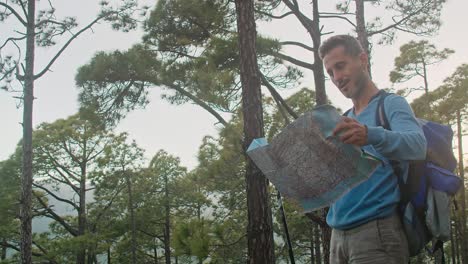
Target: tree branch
294, 61
273, 16
45, 253
56, 217
108, 205
16, 248
317, 219
13, 11
302, 45
200, 103
278, 97
55, 196
338, 14
339, 17
397, 23
40, 23
11, 39
66, 181
67, 44
305, 21
176, 52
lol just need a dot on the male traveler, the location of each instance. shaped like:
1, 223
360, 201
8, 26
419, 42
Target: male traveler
365, 224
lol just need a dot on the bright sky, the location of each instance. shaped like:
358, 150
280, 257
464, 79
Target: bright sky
180, 129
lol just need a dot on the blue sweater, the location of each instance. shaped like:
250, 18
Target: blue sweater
378, 196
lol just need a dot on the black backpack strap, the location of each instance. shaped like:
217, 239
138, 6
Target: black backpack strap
380, 116
382, 120
347, 112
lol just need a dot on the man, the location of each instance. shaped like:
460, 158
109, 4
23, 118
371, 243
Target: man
365, 223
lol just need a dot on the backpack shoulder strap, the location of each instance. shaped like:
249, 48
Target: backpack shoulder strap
347, 112
380, 116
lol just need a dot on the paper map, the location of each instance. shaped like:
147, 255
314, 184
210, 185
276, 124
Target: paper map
308, 165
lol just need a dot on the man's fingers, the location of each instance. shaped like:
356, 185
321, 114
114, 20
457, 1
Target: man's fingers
347, 119
342, 125
346, 136
351, 139
346, 123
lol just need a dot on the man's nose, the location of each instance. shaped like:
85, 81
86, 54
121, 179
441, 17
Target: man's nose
337, 76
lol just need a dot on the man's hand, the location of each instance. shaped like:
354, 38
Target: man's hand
350, 131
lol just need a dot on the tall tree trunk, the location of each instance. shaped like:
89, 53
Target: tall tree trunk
457, 244
26, 175
109, 255
362, 32
313, 244
81, 257
155, 249
463, 244
167, 224
318, 254
132, 218
3, 251
426, 84
326, 237
260, 228
313, 28
320, 99
452, 244
319, 75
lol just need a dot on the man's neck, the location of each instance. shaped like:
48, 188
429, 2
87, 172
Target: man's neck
362, 100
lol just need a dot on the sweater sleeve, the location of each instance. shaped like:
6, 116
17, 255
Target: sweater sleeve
406, 140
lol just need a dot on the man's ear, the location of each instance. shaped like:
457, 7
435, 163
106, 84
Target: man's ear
364, 59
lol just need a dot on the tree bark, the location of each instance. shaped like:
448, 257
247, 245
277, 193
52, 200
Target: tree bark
26, 176
260, 228
457, 244
426, 84
132, 218
108, 255
362, 32
319, 75
313, 245
318, 254
452, 244
3, 250
81, 257
167, 224
155, 249
320, 99
313, 28
326, 237
463, 240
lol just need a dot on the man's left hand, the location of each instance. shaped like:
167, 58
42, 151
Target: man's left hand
350, 131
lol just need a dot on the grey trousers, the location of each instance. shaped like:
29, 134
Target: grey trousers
378, 241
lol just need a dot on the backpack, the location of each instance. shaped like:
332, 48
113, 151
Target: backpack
426, 191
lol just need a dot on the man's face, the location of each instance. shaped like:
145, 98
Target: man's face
348, 73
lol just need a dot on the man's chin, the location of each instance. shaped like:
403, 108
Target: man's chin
346, 93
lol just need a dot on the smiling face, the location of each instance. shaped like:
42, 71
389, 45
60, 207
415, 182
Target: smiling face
347, 72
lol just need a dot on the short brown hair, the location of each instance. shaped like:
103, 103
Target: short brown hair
351, 45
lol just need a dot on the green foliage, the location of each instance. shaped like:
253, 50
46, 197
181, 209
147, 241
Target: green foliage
423, 16
418, 17
115, 83
443, 103
9, 197
414, 59
50, 30
301, 230
72, 157
190, 50
193, 238
300, 102
182, 24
